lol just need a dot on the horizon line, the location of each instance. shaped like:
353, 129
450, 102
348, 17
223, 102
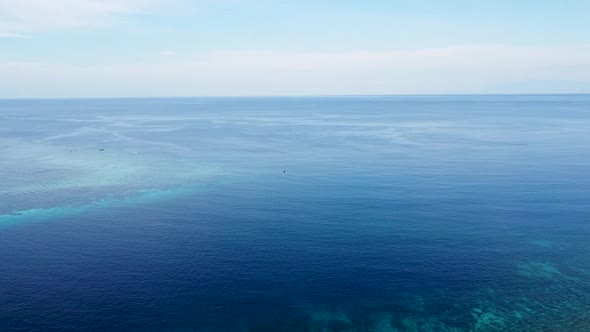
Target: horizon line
305, 96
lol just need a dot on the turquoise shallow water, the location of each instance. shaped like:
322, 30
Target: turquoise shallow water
441, 213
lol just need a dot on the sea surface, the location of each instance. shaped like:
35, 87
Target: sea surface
432, 213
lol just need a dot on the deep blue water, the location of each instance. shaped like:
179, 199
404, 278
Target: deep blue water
442, 213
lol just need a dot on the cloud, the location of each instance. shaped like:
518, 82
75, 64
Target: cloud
466, 69
14, 35
167, 53
33, 16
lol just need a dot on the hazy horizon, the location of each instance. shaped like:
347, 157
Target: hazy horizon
301, 96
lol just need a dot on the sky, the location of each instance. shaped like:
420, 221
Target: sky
169, 48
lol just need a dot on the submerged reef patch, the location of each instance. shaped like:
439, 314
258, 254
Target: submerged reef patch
538, 270
488, 320
137, 197
41, 181
542, 243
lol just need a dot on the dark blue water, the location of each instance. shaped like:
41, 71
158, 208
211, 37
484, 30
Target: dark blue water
296, 214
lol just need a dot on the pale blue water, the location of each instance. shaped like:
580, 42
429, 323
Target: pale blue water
446, 213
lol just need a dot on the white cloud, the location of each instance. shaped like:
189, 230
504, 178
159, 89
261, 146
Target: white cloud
32, 16
14, 35
167, 53
474, 69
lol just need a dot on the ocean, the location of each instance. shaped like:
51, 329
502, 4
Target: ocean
360, 213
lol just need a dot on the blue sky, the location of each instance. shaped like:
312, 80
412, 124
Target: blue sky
112, 48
